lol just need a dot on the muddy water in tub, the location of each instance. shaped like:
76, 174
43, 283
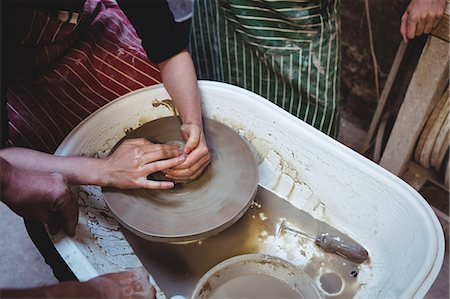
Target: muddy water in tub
178, 267
265, 286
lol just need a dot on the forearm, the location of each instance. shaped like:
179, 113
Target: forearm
133, 283
72, 289
180, 80
77, 170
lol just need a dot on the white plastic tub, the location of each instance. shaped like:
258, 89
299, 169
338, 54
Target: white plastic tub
314, 172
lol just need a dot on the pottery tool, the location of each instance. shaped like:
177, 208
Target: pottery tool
333, 244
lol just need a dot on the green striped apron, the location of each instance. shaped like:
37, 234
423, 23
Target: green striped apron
285, 51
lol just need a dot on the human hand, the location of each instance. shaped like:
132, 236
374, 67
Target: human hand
420, 17
134, 159
40, 196
132, 284
197, 155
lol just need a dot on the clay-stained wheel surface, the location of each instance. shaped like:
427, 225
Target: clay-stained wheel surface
197, 209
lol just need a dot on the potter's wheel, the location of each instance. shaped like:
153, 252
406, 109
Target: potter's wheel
197, 209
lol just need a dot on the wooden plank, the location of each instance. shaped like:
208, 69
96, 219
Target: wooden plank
427, 84
425, 156
441, 146
415, 175
442, 29
380, 138
427, 128
429, 134
447, 175
384, 96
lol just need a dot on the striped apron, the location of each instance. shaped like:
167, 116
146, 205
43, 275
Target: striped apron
77, 68
285, 51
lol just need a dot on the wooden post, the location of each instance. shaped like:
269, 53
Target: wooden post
384, 96
427, 84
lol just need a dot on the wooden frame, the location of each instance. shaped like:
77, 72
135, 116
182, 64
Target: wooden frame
425, 89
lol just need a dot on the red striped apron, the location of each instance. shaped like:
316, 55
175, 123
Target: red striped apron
81, 67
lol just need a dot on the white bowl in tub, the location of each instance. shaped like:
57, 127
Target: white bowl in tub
314, 172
